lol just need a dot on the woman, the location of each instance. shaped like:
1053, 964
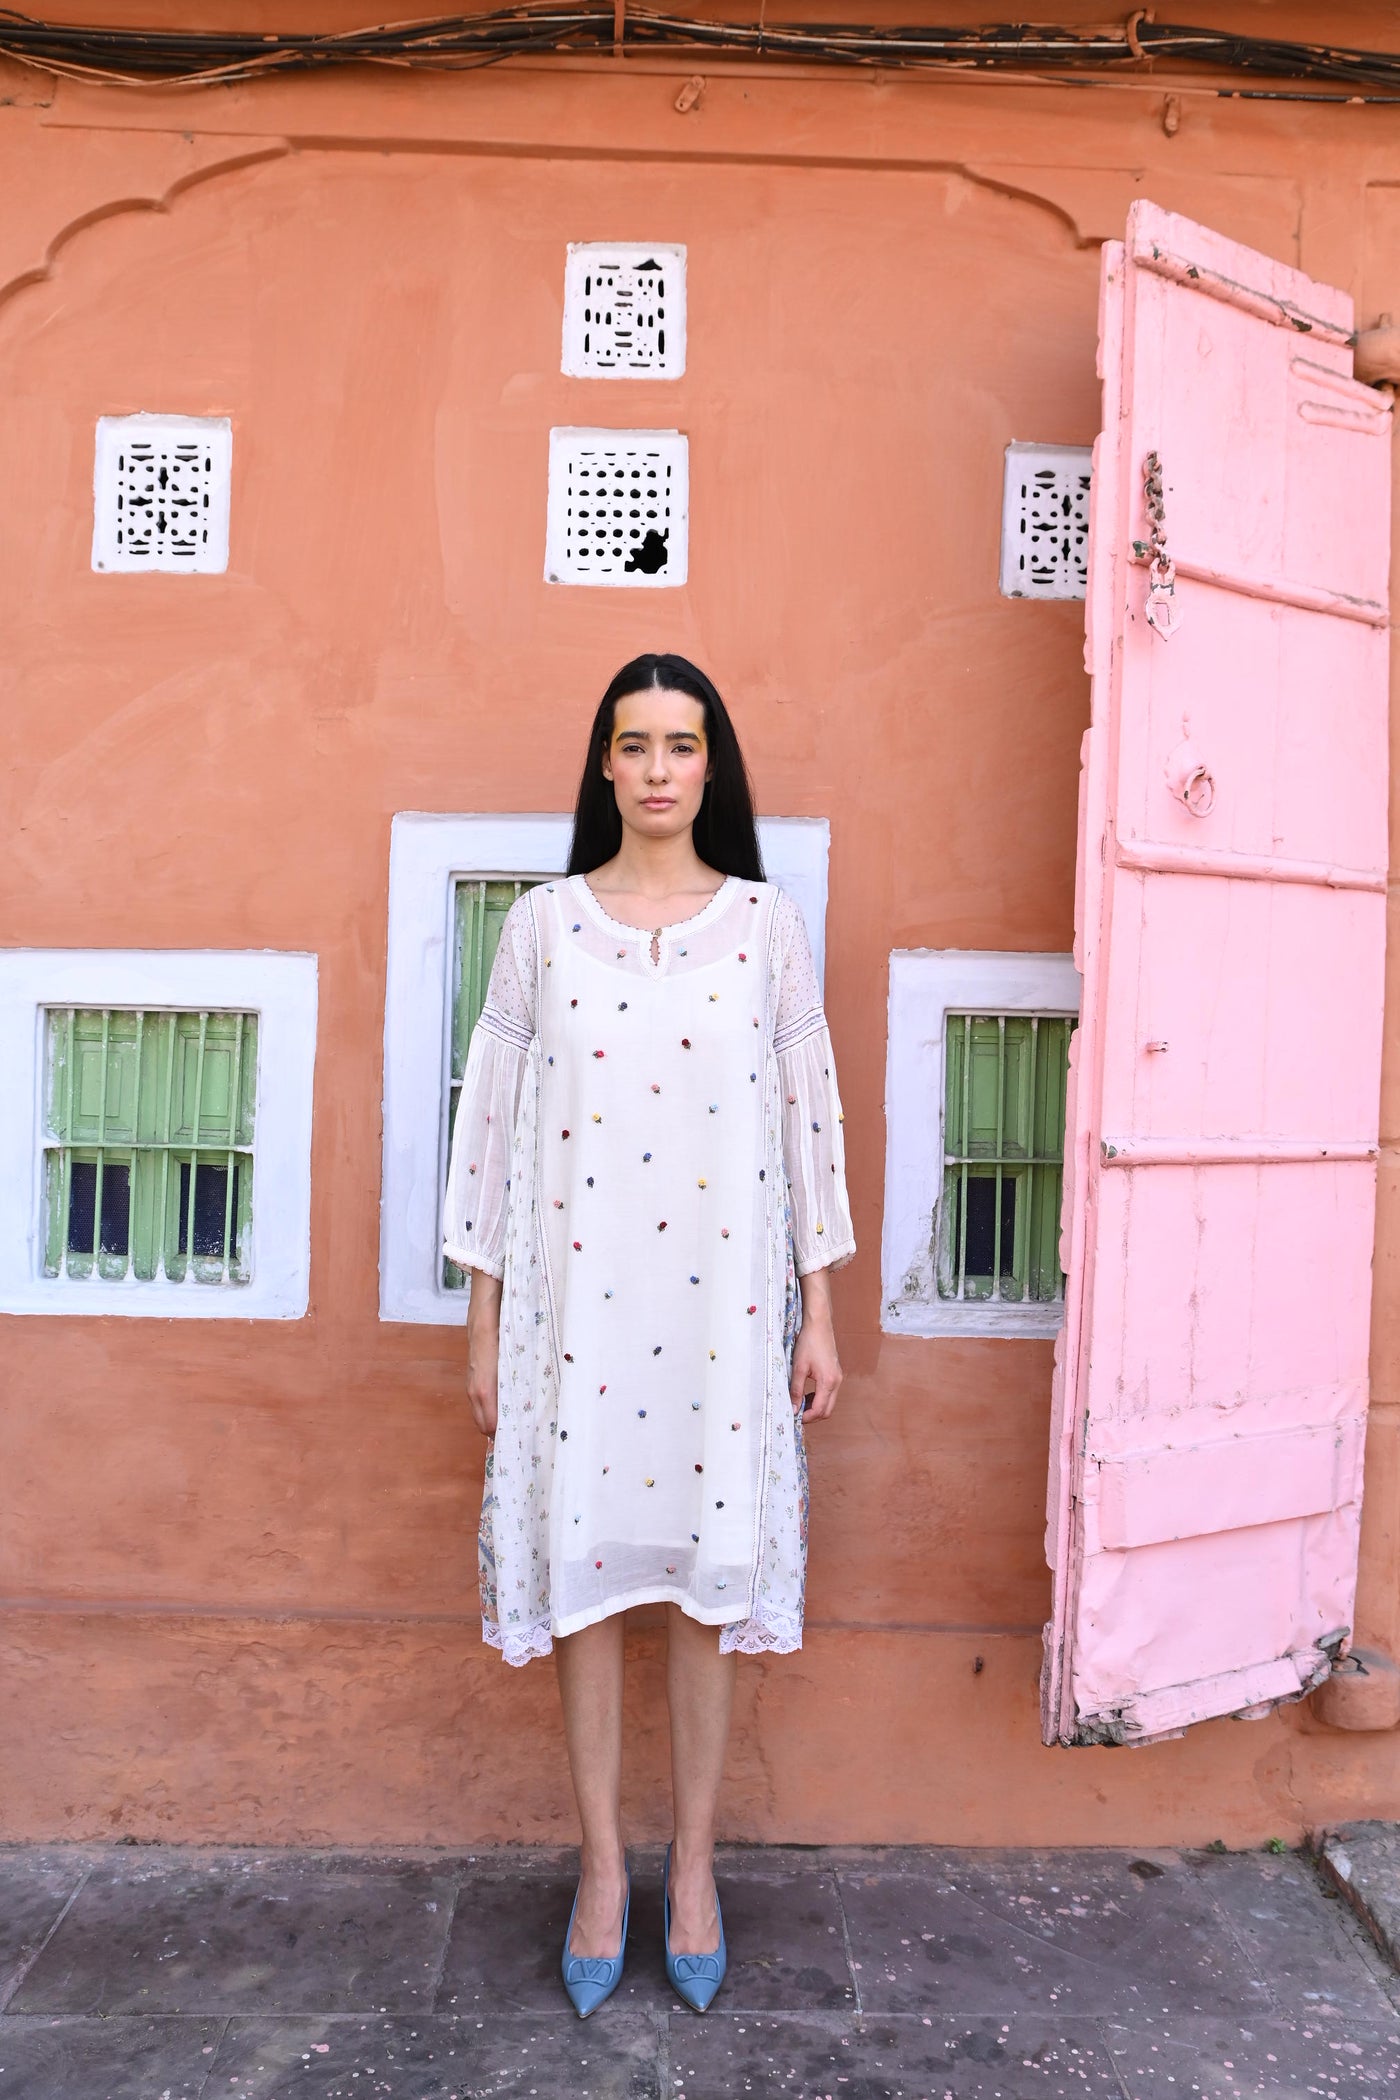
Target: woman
647, 1153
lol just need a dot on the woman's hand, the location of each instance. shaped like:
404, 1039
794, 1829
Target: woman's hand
816, 1368
483, 1349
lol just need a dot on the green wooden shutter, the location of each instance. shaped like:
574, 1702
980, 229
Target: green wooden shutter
1003, 1147
149, 1144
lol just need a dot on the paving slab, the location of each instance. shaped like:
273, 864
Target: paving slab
48, 2058
507, 1937
615, 2055
1302, 1948
267, 1932
989, 1934
1221, 2060
785, 1934
34, 1886
1363, 1861
910, 2058
782, 1920
230, 1974
507, 1934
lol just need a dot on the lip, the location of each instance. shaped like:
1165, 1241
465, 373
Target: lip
659, 802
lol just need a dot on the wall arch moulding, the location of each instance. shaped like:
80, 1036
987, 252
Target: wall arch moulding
844, 128
214, 160
1039, 188
1088, 203
1093, 202
1261, 209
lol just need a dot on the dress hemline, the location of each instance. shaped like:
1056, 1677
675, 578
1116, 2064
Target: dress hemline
756, 1633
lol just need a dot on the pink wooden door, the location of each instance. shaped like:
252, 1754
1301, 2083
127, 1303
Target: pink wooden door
1211, 1380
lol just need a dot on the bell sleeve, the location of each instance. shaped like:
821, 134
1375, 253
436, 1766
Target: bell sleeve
814, 1152
478, 1174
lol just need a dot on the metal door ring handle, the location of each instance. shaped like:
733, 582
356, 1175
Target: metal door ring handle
1198, 791
1190, 779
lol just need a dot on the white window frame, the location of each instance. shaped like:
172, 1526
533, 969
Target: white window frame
429, 854
215, 435
926, 985
281, 990
1021, 460
583, 256
566, 442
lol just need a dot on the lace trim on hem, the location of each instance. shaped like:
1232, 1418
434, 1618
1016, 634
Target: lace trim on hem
771, 1633
768, 1633
518, 1648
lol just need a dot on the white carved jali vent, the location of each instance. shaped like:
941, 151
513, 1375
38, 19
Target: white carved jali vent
618, 507
1045, 521
624, 311
161, 493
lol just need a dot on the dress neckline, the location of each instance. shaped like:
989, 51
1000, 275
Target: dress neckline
708, 910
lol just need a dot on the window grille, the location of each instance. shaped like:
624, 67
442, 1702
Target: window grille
161, 493
148, 1147
1003, 1151
479, 913
624, 311
619, 507
1045, 521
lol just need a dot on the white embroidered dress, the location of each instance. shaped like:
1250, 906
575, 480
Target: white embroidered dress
646, 1151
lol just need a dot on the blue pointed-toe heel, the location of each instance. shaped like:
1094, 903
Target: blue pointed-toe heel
590, 1978
693, 1977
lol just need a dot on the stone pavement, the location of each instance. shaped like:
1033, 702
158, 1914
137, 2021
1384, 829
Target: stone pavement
156, 1973
1362, 1862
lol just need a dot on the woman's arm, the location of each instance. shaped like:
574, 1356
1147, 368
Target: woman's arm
483, 1349
816, 1368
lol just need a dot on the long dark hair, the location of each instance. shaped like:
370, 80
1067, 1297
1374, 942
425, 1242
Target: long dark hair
724, 833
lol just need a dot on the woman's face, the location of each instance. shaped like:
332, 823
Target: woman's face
658, 762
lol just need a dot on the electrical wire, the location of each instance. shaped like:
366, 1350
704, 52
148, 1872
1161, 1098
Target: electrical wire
196, 58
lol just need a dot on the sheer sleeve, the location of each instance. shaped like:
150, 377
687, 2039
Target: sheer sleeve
478, 1176
814, 1151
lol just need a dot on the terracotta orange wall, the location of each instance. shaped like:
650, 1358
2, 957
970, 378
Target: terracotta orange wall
238, 1573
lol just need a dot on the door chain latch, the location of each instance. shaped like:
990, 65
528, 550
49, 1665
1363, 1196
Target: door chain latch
1163, 612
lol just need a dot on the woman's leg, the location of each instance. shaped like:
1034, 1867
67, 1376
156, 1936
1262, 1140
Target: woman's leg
589, 1667
700, 1692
